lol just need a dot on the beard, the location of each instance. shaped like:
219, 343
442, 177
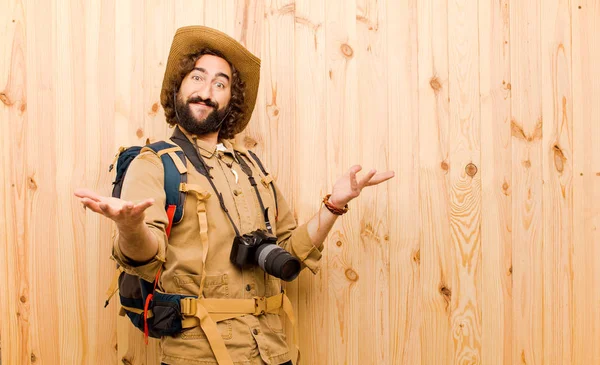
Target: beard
186, 119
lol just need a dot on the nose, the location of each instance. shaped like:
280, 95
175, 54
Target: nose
205, 91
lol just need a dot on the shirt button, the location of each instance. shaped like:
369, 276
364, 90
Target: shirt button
248, 287
255, 331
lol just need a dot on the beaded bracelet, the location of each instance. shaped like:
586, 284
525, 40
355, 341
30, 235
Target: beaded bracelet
333, 209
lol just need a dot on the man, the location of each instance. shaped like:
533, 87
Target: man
208, 93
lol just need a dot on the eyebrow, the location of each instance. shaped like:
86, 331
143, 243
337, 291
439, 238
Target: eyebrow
218, 74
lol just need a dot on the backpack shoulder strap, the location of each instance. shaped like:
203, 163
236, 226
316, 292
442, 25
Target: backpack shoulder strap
174, 163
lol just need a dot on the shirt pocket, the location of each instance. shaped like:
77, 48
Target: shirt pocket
215, 286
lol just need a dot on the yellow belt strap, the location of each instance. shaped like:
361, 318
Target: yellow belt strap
214, 337
209, 311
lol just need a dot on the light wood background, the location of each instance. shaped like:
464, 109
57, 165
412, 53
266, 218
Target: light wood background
485, 248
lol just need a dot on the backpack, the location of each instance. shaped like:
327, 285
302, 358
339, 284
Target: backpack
154, 316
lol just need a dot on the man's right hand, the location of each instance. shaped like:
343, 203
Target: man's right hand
125, 214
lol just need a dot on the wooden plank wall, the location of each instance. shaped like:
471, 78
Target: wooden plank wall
485, 248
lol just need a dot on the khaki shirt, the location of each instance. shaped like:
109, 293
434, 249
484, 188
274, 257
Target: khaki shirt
249, 339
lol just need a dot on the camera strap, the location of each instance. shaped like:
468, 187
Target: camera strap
248, 171
196, 159
200, 165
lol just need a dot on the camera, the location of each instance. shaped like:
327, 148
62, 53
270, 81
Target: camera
260, 248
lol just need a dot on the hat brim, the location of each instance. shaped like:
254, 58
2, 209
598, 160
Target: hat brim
191, 39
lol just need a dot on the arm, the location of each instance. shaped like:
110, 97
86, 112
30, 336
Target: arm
135, 239
306, 241
345, 189
141, 240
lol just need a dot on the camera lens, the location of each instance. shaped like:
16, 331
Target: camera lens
277, 262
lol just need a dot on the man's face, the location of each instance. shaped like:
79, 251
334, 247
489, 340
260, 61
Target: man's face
204, 95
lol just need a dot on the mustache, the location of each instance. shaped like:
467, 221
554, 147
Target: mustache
207, 102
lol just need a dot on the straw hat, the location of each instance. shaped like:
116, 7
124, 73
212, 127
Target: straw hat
191, 39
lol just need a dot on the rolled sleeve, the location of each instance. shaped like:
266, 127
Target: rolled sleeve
145, 179
295, 239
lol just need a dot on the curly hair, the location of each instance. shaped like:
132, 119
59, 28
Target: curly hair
235, 108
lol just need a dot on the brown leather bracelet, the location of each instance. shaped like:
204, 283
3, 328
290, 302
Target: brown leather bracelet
333, 209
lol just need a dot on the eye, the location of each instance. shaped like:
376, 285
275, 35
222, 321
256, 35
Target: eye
196, 78
220, 85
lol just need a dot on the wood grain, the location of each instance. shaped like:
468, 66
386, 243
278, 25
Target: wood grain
527, 199
403, 210
557, 159
15, 307
496, 178
465, 179
437, 251
586, 181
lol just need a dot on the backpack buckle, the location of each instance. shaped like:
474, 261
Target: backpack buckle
260, 306
188, 306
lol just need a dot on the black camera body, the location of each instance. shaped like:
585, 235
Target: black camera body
260, 248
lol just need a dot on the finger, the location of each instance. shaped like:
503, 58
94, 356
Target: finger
352, 175
107, 210
363, 182
88, 203
379, 178
141, 207
87, 193
355, 169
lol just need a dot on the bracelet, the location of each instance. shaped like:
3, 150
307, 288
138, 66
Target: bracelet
333, 209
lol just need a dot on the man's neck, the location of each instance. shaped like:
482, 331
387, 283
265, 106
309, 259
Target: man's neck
210, 138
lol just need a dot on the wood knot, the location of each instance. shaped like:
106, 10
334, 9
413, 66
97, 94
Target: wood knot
126, 361
510, 270
31, 183
5, 99
444, 165
347, 51
508, 86
505, 187
417, 257
471, 169
33, 357
435, 84
559, 159
526, 164
338, 243
597, 174
154, 108
446, 292
23, 299
22, 108
272, 110
351, 275
139, 133
249, 142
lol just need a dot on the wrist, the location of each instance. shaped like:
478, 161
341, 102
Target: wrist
333, 207
336, 202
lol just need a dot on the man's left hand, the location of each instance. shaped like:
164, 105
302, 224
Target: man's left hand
349, 187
